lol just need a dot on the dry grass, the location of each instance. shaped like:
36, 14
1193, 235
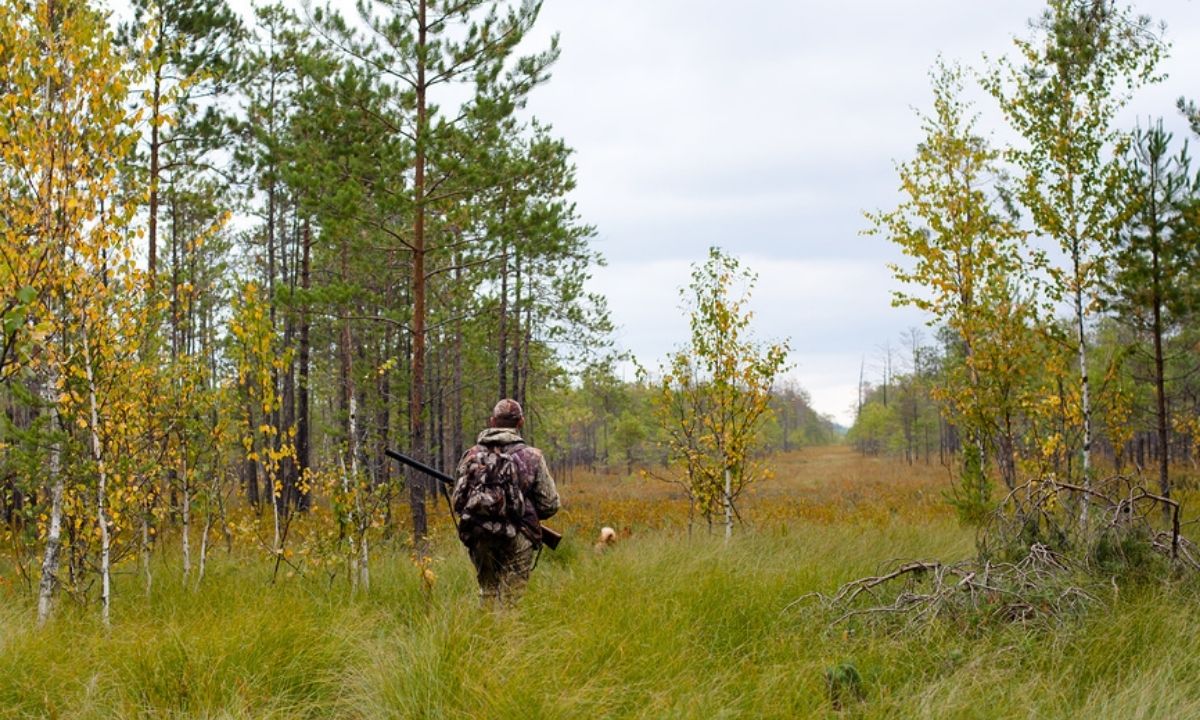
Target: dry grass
663, 626
825, 485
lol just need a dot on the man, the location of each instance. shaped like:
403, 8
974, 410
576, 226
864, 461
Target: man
503, 530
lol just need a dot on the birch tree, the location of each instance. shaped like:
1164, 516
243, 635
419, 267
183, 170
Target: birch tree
966, 255
714, 393
67, 232
1062, 95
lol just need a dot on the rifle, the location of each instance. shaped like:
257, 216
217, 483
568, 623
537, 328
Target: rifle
550, 538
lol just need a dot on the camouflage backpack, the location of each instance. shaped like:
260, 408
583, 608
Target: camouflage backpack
487, 498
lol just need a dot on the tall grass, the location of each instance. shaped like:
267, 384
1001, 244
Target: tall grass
663, 626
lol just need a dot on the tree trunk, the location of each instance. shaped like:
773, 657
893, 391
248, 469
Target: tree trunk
443, 448
526, 341
361, 522
350, 529
102, 486
728, 507
456, 417
50, 559
208, 519
186, 531
303, 441
1086, 409
144, 551
516, 331
346, 383
152, 230
287, 420
383, 418
416, 486
502, 333
1160, 391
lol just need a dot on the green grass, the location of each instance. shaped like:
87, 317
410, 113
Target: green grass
662, 627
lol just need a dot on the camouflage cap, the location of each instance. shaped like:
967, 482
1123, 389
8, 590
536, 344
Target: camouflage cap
508, 409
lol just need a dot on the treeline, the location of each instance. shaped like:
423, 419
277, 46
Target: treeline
1059, 269
903, 411
897, 412
242, 255
607, 424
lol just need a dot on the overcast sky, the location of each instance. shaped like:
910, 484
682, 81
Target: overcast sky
768, 127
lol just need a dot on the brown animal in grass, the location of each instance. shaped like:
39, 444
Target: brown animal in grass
608, 538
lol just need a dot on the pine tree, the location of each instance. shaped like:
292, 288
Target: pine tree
1149, 284
421, 48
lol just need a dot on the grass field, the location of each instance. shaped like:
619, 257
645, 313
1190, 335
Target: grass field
664, 626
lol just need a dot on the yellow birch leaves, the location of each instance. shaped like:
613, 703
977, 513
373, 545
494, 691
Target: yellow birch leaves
713, 396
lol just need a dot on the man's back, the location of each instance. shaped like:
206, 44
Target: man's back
504, 560
535, 481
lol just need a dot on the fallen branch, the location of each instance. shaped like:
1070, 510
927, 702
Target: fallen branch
1034, 554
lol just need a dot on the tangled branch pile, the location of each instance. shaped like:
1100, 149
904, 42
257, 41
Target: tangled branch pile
1043, 555
1110, 524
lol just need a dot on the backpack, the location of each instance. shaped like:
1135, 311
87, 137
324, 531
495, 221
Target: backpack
488, 501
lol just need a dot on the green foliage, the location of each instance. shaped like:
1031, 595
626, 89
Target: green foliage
630, 437
1076, 74
1156, 252
971, 493
968, 258
876, 429
1075, 212
1126, 553
793, 423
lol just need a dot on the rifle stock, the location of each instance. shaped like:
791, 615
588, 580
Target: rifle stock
550, 538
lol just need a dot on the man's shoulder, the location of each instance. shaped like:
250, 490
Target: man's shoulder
530, 451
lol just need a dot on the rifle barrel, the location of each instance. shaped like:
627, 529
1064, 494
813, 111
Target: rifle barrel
418, 465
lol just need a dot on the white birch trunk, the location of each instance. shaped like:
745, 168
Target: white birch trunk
352, 524
49, 580
364, 565
204, 548
1085, 398
101, 489
50, 559
361, 521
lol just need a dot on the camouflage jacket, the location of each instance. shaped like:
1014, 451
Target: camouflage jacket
536, 484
